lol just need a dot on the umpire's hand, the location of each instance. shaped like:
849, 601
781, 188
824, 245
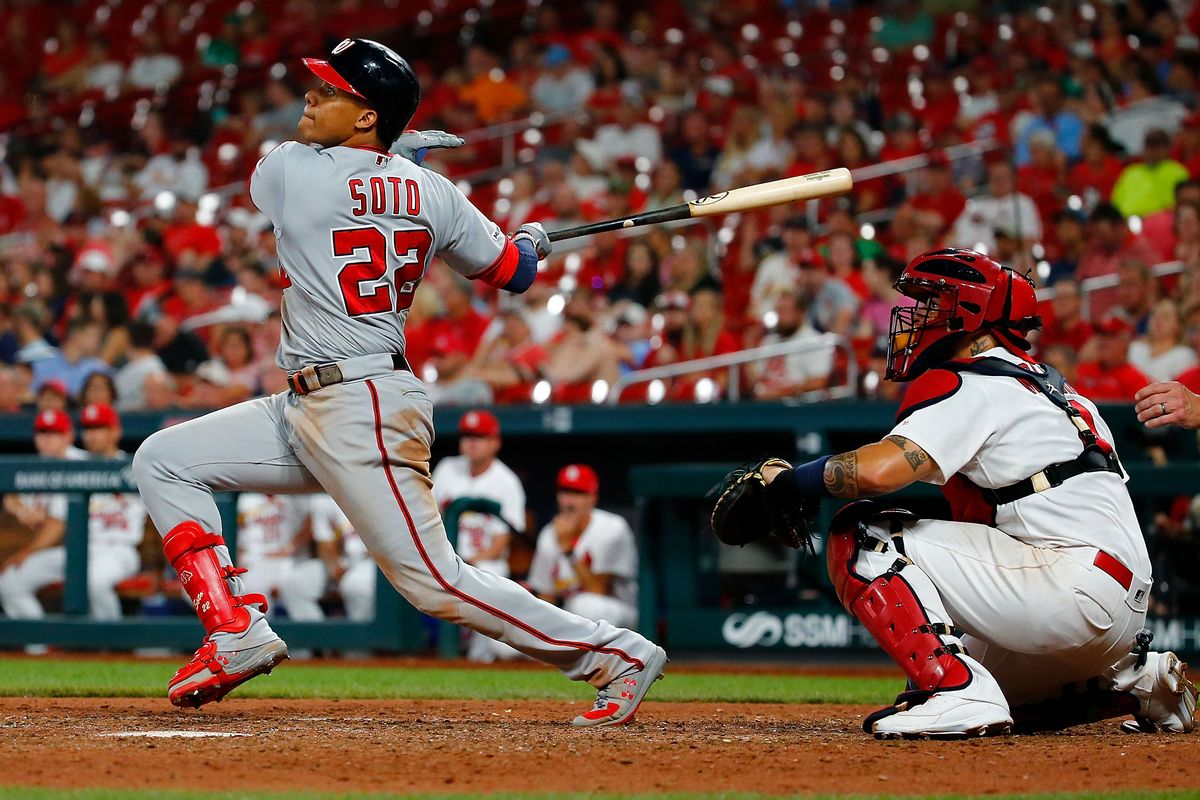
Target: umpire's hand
1168, 403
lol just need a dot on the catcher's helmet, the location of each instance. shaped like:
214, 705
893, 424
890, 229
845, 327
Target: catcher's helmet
958, 292
378, 75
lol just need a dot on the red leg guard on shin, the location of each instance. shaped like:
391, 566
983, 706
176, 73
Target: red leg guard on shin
191, 551
894, 615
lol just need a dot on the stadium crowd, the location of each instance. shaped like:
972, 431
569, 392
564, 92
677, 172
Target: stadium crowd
139, 274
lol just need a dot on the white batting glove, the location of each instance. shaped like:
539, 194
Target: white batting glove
534, 232
414, 144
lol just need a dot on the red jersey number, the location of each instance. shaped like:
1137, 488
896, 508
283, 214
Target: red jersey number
364, 284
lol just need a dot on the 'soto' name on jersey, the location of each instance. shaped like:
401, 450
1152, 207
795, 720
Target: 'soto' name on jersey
395, 196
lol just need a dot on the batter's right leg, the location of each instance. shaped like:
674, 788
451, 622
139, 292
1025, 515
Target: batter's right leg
951, 694
368, 443
177, 470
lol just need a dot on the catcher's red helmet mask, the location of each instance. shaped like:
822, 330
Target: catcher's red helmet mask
958, 292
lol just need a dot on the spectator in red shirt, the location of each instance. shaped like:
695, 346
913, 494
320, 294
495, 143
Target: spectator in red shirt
460, 317
1043, 177
1093, 177
1187, 144
259, 46
1110, 245
1066, 247
938, 202
1191, 377
189, 296
69, 53
812, 154
512, 362
186, 233
1110, 377
844, 263
1066, 324
145, 280
1162, 228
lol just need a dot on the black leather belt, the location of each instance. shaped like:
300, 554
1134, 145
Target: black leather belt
318, 376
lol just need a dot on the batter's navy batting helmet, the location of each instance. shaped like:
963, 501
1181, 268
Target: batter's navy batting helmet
378, 75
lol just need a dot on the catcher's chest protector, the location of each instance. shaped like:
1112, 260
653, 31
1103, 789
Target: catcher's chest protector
972, 503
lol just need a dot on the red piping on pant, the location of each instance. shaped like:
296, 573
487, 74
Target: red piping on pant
412, 529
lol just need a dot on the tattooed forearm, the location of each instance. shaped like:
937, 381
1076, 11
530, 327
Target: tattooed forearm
841, 475
915, 456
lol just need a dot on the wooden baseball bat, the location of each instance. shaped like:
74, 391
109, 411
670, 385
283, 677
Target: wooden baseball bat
761, 195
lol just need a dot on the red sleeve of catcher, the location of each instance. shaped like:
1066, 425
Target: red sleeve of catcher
502, 269
931, 387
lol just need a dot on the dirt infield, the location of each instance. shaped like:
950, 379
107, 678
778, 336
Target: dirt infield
459, 746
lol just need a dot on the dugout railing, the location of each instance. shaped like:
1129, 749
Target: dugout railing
732, 363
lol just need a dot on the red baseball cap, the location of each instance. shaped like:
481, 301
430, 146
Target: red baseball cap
54, 385
99, 415
1115, 325
479, 423
52, 421
578, 478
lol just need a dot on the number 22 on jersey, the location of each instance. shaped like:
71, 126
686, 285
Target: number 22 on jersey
364, 284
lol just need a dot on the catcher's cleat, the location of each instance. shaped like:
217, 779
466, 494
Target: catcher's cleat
222, 664
945, 716
977, 709
1167, 697
617, 703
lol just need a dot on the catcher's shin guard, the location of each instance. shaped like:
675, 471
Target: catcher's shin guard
890, 608
192, 551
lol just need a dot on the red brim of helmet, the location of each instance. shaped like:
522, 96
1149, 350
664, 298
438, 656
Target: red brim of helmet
325, 71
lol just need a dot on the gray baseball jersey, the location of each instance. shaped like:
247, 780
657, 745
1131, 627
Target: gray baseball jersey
356, 229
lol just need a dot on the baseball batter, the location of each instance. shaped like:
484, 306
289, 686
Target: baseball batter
1043, 568
356, 228
269, 526
586, 558
116, 523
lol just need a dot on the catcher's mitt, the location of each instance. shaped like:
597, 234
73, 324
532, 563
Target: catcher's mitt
746, 512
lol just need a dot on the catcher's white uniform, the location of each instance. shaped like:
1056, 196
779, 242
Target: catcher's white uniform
1025, 586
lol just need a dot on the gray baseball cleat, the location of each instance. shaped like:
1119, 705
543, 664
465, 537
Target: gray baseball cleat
617, 703
224, 662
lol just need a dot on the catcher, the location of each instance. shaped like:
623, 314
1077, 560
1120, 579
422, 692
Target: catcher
1030, 602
